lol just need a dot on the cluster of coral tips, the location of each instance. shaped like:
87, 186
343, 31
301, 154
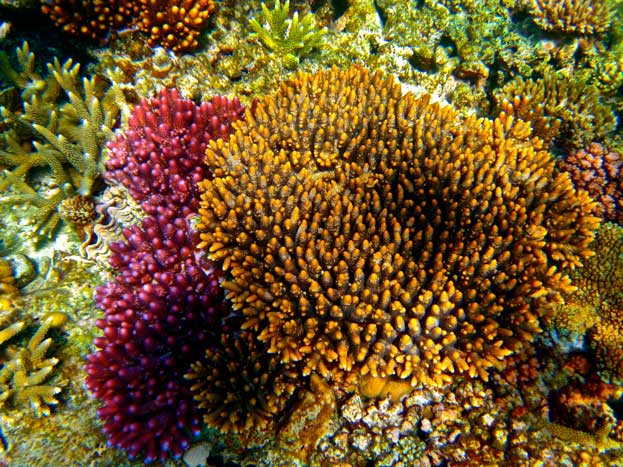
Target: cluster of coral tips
364, 231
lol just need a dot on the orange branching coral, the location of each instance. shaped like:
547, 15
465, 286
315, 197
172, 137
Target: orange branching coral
565, 109
571, 16
173, 24
239, 387
364, 231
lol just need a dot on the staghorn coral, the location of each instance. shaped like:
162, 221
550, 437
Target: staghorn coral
173, 24
582, 17
598, 171
583, 116
22, 376
61, 126
290, 38
367, 232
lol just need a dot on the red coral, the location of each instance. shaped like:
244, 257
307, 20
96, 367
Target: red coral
165, 306
598, 171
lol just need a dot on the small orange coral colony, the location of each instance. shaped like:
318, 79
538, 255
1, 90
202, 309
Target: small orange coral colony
367, 232
172, 24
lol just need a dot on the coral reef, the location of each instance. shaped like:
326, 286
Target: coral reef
571, 16
165, 304
598, 171
61, 126
584, 117
367, 232
289, 38
173, 24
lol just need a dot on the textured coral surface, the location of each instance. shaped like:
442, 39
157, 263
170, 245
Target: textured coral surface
367, 232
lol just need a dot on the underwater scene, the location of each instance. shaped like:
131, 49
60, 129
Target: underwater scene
324, 233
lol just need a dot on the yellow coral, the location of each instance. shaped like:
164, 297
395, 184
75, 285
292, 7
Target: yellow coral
23, 375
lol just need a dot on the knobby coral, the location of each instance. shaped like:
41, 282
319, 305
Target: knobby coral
597, 170
173, 24
65, 136
363, 231
165, 303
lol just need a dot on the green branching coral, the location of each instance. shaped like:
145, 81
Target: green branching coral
289, 38
61, 127
23, 374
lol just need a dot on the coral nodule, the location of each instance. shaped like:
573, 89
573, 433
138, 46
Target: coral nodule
367, 232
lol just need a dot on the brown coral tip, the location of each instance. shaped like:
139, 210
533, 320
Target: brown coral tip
239, 388
364, 231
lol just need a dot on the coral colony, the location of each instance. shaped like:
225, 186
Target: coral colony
165, 305
400, 245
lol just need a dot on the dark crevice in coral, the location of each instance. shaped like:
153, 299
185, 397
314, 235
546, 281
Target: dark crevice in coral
380, 12
339, 8
45, 40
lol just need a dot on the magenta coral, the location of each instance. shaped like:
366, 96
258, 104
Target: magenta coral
598, 171
165, 305
160, 156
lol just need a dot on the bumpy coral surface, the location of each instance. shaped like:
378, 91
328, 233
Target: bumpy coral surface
363, 231
173, 24
165, 302
598, 171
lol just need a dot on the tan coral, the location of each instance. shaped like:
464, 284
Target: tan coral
571, 16
364, 231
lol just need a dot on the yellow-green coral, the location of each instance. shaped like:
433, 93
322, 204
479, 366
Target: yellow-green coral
583, 115
289, 38
23, 376
571, 16
61, 126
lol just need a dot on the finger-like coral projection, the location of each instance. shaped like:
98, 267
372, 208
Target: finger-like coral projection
239, 388
23, 374
173, 24
571, 16
165, 305
566, 110
289, 38
61, 126
363, 231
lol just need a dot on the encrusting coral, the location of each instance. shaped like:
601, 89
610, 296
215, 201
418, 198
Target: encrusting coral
173, 24
65, 136
597, 170
363, 231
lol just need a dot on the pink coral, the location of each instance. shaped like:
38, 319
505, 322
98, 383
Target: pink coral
165, 306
